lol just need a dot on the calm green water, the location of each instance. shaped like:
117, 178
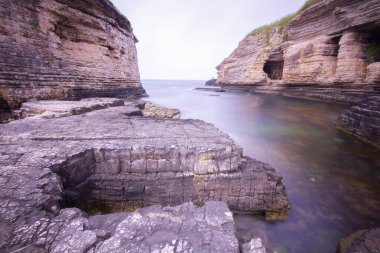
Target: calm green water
332, 181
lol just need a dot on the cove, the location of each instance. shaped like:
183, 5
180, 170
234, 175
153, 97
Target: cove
331, 179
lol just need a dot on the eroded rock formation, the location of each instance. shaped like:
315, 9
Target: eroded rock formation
109, 160
330, 49
58, 49
363, 121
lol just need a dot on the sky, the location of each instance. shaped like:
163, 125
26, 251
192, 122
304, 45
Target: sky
187, 39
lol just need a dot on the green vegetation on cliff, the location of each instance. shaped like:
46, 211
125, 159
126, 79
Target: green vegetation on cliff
282, 23
373, 53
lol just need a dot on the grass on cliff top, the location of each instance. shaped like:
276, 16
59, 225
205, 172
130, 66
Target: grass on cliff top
281, 23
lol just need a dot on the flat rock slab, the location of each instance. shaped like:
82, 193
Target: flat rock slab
106, 161
62, 108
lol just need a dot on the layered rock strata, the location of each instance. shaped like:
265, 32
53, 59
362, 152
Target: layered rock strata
327, 45
107, 160
59, 49
363, 121
363, 241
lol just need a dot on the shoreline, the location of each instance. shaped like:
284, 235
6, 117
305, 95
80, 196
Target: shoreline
339, 94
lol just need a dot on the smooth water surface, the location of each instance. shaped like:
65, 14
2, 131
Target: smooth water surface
332, 180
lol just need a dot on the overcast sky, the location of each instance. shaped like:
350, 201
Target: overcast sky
186, 39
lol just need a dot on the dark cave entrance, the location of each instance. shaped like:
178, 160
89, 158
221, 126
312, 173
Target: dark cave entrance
5, 110
335, 42
4, 106
372, 44
274, 66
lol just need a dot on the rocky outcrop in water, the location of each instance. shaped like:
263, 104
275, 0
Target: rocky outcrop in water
330, 51
110, 160
59, 49
152, 110
363, 241
363, 121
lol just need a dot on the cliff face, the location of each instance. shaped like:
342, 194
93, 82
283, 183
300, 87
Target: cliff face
328, 43
65, 49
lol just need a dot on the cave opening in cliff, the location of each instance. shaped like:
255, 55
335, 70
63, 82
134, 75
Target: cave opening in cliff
335, 41
274, 65
4, 107
5, 110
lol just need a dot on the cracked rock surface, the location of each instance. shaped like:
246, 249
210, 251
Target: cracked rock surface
363, 241
184, 228
109, 160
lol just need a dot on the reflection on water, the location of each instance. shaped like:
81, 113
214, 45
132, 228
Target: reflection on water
331, 179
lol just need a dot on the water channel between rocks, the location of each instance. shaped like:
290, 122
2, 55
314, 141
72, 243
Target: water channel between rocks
332, 180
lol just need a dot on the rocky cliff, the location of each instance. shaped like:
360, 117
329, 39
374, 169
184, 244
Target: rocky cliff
333, 44
65, 49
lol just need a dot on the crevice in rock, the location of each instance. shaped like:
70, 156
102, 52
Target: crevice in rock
274, 65
75, 175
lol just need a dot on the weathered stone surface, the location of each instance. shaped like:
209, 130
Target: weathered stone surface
373, 73
58, 49
62, 108
106, 161
324, 45
333, 17
363, 121
180, 229
152, 110
254, 246
363, 241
